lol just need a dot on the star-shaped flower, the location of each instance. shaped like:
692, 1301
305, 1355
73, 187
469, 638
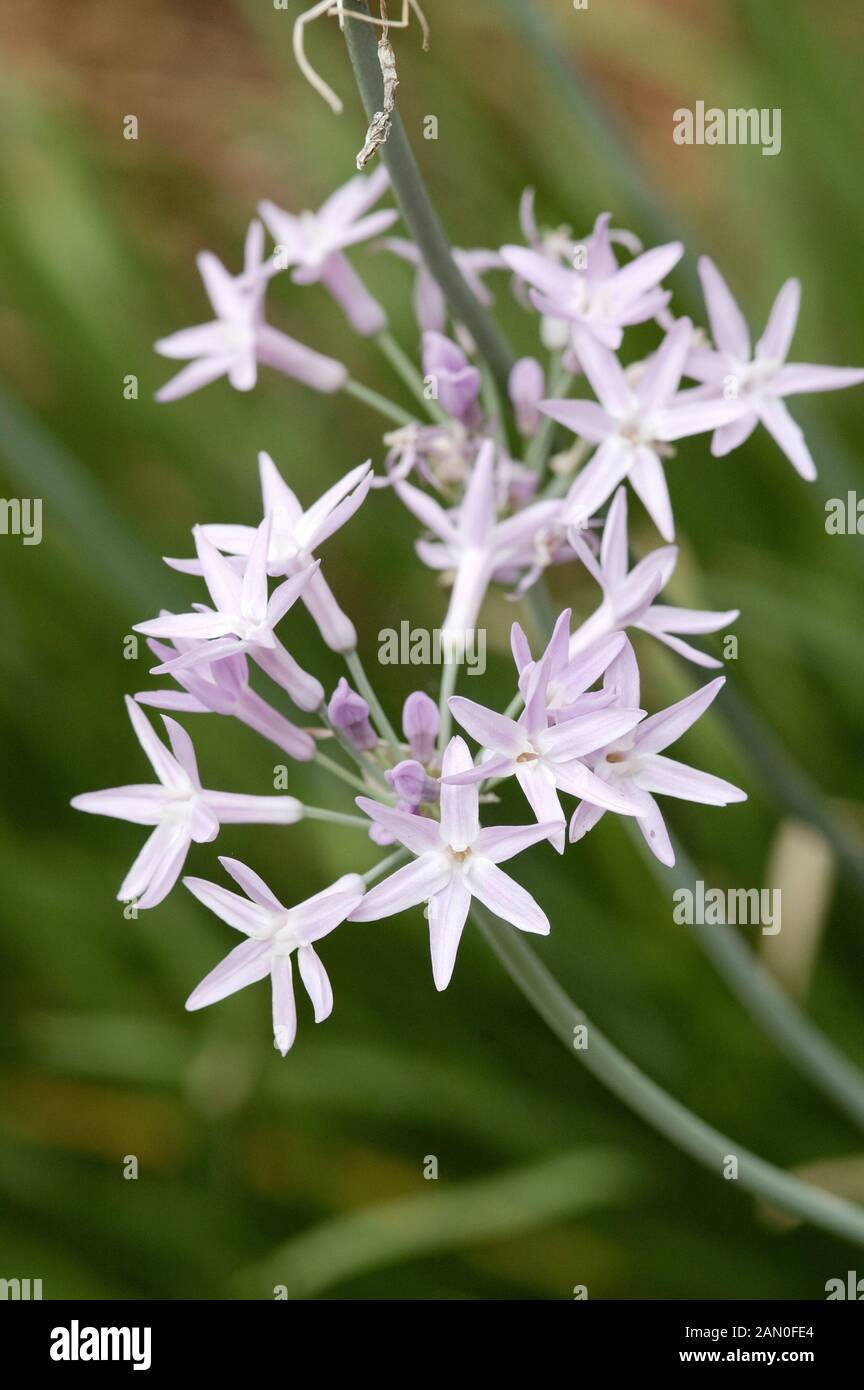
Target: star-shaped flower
224, 688
179, 808
547, 758
602, 297
312, 245
238, 338
295, 534
628, 595
759, 380
634, 764
243, 620
275, 933
471, 541
455, 862
632, 425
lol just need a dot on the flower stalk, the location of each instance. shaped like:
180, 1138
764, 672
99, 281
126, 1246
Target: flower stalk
416, 205
644, 1097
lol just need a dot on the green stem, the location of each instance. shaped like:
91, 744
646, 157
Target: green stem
385, 865
541, 445
764, 999
341, 772
416, 207
334, 817
364, 687
449, 674
377, 402
407, 372
363, 761
668, 1116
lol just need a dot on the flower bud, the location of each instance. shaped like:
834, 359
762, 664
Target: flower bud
349, 713
411, 783
458, 383
527, 387
420, 725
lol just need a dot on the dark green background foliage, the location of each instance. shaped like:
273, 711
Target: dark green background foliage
308, 1172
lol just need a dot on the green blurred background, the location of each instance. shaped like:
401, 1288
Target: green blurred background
308, 1172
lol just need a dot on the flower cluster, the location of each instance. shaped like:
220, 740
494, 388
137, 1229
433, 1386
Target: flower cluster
501, 496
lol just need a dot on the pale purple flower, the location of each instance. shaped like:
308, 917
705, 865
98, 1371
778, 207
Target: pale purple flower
430, 305
243, 619
238, 339
559, 244
412, 784
223, 688
349, 713
295, 534
569, 673
632, 425
471, 541
312, 245
628, 595
455, 861
634, 764
179, 808
526, 387
420, 723
760, 379
275, 933
544, 758
602, 298
457, 383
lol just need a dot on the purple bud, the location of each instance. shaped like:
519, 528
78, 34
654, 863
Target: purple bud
411, 783
420, 725
349, 713
527, 387
458, 383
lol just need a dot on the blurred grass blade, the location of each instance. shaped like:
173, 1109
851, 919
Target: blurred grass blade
445, 1217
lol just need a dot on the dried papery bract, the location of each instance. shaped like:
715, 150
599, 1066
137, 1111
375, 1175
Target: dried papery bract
336, 8
379, 126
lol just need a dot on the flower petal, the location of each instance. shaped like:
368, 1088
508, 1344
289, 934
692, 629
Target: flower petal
671, 778
245, 965
648, 481
284, 1007
253, 886
780, 329
498, 843
448, 910
166, 767
248, 917
417, 833
506, 898
413, 884
490, 729
661, 729
460, 816
789, 435
538, 784
664, 369
316, 982
728, 325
